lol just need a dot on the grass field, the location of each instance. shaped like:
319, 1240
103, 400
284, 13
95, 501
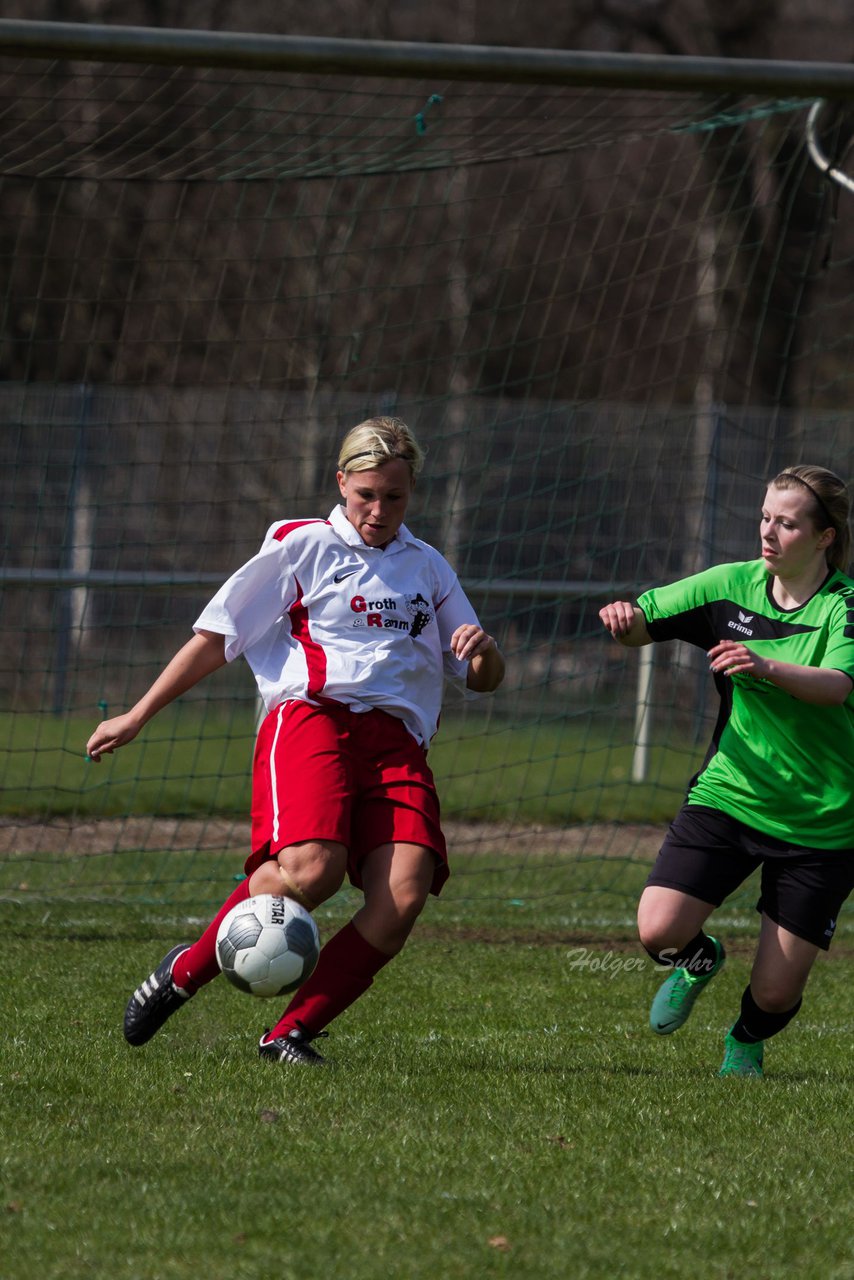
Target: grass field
495, 1106
189, 761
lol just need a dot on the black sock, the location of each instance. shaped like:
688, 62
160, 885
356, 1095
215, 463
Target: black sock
755, 1024
697, 956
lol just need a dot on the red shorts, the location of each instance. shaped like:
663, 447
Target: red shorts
357, 778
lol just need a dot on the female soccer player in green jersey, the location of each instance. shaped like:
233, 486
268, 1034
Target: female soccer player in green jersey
776, 789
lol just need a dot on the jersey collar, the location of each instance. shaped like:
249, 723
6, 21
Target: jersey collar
769, 592
348, 534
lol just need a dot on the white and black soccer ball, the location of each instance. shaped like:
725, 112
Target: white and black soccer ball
267, 945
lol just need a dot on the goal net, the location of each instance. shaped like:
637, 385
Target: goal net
610, 315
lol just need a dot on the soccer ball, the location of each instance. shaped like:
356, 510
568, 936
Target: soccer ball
267, 945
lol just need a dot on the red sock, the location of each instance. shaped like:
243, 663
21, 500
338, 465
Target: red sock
346, 968
197, 966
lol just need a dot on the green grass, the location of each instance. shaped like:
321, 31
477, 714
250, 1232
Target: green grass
186, 762
191, 761
495, 1107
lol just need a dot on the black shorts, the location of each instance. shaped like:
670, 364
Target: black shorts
708, 854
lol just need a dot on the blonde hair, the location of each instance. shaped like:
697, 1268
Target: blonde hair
831, 505
377, 441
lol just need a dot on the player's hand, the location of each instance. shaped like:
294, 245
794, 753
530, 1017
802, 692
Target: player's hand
731, 658
469, 641
618, 618
111, 734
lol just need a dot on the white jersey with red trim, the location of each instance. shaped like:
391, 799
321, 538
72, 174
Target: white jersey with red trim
319, 615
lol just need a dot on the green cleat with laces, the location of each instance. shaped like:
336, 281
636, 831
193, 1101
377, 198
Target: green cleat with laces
676, 995
741, 1059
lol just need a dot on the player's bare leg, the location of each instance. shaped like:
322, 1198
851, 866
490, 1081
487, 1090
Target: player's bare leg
396, 879
670, 925
781, 968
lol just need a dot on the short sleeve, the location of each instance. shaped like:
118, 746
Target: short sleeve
252, 600
679, 611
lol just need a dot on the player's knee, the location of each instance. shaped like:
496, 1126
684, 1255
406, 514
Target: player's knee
393, 920
391, 933
266, 879
650, 930
311, 872
408, 904
775, 994
661, 929
657, 935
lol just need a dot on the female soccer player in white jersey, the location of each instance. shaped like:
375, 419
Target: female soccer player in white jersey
776, 790
350, 625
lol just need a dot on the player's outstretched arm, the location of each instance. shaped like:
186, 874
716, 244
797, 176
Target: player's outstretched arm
473, 645
198, 658
626, 623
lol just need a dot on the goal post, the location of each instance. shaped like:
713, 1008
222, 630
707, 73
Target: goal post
609, 293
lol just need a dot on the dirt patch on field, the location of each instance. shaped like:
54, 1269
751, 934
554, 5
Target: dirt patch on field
113, 835
27, 838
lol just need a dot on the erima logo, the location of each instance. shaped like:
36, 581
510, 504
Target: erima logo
339, 577
741, 625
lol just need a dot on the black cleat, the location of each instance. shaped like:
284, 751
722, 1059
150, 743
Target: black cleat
294, 1047
156, 1000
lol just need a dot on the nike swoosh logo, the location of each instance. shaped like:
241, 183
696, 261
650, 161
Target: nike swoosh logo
339, 577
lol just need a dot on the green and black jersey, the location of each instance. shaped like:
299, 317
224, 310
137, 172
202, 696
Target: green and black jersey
776, 763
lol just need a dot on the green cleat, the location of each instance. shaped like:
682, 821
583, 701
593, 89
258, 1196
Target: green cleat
741, 1059
675, 997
